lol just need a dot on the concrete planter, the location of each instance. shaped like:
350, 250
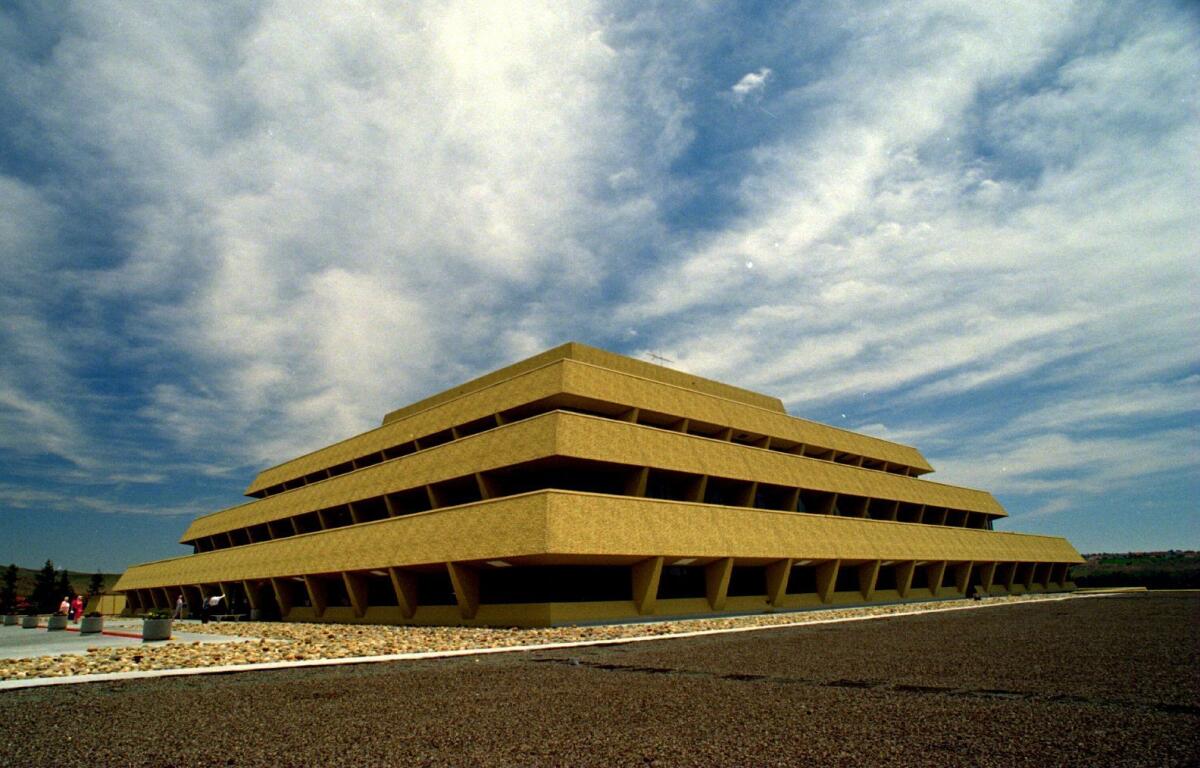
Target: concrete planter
11, 619
90, 625
156, 629
29, 622
56, 623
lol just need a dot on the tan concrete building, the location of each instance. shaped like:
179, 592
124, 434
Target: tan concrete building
580, 485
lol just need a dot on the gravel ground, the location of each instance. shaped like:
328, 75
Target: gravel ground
1111, 681
278, 641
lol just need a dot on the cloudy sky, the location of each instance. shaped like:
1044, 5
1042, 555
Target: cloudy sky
231, 234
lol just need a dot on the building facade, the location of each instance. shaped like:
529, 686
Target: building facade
581, 486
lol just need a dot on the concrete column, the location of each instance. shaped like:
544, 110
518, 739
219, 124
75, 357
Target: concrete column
405, 585
962, 576
904, 576
716, 582
827, 579
316, 594
987, 574
282, 596
356, 588
934, 573
466, 588
777, 581
635, 483
868, 577
487, 487
645, 584
696, 488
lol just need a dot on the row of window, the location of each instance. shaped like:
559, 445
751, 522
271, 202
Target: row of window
596, 477
600, 409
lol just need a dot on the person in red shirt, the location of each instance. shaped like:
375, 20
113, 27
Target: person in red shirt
77, 608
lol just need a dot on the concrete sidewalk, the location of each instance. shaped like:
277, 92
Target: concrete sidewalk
19, 643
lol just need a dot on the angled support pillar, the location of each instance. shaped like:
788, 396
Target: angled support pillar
635, 483
251, 591
987, 574
793, 501
830, 506
435, 498
390, 505
920, 516
962, 577
405, 586
316, 594
355, 513
282, 596
630, 415
726, 434
716, 582
501, 419
763, 442
190, 599
487, 486
295, 523
777, 581
645, 583
827, 573
322, 520
680, 426
868, 577
748, 494
895, 513
935, 572
205, 592
904, 576
466, 588
356, 588
697, 488
1027, 579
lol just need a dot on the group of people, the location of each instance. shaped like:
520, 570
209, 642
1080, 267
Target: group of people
208, 607
72, 608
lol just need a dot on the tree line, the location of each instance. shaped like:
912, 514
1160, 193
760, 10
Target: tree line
50, 586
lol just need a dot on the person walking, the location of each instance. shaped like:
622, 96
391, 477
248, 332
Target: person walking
77, 608
64, 608
178, 608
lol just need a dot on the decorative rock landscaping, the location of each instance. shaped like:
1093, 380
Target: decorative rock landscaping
282, 642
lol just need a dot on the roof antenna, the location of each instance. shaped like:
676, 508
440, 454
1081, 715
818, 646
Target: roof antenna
659, 358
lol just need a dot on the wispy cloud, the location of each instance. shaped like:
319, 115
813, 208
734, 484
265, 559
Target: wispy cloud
228, 237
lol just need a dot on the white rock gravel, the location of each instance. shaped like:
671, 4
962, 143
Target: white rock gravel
282, 642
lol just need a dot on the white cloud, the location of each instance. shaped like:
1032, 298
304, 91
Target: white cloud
303, 218
751, 82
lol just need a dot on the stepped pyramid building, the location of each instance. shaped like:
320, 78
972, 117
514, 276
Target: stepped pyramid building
584, 486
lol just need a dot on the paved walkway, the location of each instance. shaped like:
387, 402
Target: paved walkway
19, 643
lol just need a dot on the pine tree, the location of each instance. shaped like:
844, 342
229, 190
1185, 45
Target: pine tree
64, 587
8, 595
96, 585
43, 598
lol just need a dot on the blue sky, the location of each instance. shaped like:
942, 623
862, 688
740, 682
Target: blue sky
233, 234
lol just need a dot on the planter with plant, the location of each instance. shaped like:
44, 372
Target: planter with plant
30, 619
11, 619
56, 622
156, 625
91, 623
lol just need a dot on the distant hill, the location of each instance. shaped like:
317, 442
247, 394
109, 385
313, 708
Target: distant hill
1171, 569
79, 580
